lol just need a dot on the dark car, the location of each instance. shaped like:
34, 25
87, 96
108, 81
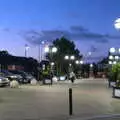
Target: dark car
12, 76
26, 77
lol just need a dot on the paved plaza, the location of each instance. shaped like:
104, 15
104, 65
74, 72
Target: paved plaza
91, 97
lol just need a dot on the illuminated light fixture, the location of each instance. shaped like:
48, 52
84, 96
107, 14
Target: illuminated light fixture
116, 57
72, 57
62, 77
111, 57
81, 62
54, 49
114, 62
43, 42
112, 50
91, 65
77, 62
117, 23
66, 57
110, 62
52, 63
47, 49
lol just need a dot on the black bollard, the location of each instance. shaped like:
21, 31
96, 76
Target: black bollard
70, 102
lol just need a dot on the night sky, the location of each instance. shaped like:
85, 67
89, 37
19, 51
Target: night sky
87, 22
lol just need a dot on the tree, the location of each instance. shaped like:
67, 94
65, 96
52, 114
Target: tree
65, 47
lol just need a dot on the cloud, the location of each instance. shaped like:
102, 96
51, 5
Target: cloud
36, 37
74, 33
6, 29
78, 29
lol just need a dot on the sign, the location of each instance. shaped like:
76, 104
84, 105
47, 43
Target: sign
117, 92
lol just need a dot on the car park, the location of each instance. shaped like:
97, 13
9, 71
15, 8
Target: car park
26, 77
12, 76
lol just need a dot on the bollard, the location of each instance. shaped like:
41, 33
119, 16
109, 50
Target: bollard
70, 102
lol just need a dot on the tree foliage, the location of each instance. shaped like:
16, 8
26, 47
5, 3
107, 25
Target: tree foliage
65, 47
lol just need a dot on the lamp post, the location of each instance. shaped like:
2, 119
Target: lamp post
40, 51
79, 63
69, 58
91, 70
51, 50
26, 49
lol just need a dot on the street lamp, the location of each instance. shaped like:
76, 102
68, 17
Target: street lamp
114, 62
112, 50
91, 65
110, 57
51, 50
72, 57
77, 61
46, 49
52, 63
66, 57
54, 49
81, 62
116, 57
117, 23
110, 62
26, 49
69, 58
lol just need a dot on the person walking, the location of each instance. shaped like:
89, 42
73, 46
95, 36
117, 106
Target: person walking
72, 77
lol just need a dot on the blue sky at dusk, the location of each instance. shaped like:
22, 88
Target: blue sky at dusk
87, 22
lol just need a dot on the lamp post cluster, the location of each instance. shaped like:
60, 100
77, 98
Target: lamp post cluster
79, 62
114, 56
51, 50
71, 58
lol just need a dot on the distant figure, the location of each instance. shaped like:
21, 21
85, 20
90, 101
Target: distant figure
72, 77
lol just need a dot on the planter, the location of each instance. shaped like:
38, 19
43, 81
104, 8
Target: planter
33, 82
116, 92
112, 83
14, 84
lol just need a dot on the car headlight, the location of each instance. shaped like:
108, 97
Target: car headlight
13, 76
62, 77
0, 80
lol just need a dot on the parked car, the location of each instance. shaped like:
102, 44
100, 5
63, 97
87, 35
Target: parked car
26, 77
4, 81
12, 76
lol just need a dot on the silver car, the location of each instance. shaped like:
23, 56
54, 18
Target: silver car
4, 81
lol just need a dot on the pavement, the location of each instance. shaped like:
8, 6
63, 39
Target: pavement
91, 97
